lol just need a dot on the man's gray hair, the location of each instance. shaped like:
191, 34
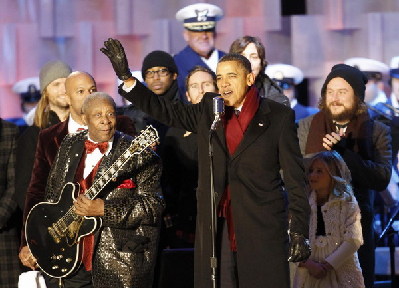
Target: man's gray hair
97, 96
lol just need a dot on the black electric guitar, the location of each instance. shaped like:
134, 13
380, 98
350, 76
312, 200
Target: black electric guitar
54, 231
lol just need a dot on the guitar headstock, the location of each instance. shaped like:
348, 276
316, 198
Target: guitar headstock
146, 138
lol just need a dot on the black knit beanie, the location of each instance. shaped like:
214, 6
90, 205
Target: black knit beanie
158, 59
352, 75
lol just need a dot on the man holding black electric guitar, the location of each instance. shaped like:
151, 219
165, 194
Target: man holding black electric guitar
98, 222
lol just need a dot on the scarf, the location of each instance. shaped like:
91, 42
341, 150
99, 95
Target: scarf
234, 132
358, 134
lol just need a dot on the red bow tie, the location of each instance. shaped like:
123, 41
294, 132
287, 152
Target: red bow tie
91, 146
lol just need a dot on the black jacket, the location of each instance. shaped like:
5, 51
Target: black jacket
258, 196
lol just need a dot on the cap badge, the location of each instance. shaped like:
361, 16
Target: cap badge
202, 15
279, 75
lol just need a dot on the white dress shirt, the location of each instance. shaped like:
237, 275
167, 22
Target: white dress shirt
73, 126
93, 158
212, 61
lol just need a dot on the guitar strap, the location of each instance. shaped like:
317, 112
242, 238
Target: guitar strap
88, 241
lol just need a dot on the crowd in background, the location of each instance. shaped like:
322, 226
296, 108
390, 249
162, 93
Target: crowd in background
362, 176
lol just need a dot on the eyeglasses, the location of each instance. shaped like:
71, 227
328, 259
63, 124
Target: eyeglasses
161, 72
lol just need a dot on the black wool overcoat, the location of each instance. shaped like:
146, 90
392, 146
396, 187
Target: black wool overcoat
253, 173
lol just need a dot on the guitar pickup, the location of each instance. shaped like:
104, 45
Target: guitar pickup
54, 235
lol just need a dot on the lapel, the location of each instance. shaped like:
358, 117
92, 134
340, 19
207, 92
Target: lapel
61, 132
256, 127
75, 154
220, 138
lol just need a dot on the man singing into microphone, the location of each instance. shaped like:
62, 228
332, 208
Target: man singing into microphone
257, 140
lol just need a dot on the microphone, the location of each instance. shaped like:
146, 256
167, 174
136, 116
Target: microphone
218, 111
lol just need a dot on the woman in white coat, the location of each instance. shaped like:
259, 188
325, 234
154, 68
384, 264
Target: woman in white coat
335, 232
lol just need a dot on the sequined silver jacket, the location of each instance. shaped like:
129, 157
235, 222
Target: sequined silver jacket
126, 243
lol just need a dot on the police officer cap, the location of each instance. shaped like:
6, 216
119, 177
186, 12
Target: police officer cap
285, 75
28, 89
200, 16
373, 69
395, 67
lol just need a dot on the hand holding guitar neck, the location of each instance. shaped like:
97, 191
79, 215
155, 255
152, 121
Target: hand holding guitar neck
86, 207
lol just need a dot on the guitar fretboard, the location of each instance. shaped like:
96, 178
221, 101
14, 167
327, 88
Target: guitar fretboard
146, 138
140, 143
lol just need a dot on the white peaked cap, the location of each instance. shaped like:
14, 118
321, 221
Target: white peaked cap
199, 16
284, 71
394, 62
22, 86
367, 65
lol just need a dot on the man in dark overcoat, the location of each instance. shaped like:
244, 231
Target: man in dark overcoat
249, 151
9, 223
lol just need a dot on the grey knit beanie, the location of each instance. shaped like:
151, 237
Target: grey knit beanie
52, 71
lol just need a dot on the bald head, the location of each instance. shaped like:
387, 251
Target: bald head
78, 86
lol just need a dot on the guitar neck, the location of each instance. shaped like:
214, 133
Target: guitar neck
110, 173
139, 144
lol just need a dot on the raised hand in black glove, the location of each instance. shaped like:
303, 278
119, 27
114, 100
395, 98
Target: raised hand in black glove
113, 49
299, 248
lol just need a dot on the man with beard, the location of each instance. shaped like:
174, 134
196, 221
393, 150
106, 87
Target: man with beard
343, 124
52, 108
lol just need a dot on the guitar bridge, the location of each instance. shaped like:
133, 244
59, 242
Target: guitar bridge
73, 230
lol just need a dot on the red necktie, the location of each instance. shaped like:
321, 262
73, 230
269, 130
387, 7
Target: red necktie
91, 146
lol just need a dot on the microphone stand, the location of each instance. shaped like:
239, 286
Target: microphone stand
213, 259
390, 232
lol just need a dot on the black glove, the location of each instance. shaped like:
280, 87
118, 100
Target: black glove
299, 248
341, 145
114, 51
